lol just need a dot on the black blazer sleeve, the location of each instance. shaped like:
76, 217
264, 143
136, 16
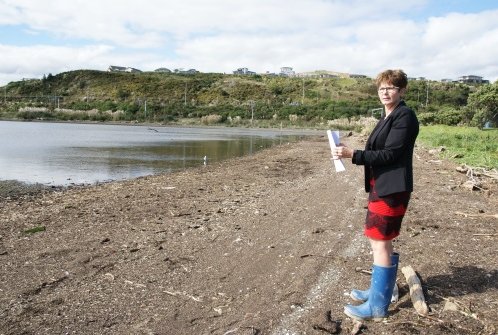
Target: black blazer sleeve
389, 152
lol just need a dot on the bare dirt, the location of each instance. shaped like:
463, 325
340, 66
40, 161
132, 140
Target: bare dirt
265, 244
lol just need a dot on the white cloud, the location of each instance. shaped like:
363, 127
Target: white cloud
264, 35
35, 61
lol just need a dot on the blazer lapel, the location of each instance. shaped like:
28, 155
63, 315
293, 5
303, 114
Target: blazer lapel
376, 131
381, 125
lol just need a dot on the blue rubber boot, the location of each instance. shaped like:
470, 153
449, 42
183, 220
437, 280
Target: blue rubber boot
377, 305
362, 296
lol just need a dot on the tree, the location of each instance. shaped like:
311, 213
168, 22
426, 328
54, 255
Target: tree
484, 103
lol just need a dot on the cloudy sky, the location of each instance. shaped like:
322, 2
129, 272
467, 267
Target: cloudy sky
435, 39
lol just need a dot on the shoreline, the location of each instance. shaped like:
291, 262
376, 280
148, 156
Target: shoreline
267, 242
290, 130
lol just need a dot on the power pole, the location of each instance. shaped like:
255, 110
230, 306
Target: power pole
185, 95
427, 94
252, 112
302, 99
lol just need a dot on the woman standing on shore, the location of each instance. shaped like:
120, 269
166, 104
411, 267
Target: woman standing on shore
387, 160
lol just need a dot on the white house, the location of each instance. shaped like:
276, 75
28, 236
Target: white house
472, 80
113, 68
287, 71
243, 71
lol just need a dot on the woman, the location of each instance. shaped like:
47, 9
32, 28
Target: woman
387, 160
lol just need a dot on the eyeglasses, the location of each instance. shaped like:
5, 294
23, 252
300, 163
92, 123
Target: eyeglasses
390, 89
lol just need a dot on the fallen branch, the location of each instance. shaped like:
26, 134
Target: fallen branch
177, 293
484, 234
313, 255
459, 306
363, 271
356, 328
478, 215
416, 292
474, 171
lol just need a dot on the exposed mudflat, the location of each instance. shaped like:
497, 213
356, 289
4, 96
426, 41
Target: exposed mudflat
264, 244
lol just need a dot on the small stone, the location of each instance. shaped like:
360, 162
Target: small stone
450, 306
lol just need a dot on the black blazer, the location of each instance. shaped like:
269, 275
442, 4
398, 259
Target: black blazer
389, 152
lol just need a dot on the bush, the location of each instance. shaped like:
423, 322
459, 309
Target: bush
448, 116
211, 119
426, 118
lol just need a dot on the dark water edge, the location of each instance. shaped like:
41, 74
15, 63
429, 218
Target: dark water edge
14, 189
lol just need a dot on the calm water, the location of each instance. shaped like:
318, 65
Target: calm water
67, 153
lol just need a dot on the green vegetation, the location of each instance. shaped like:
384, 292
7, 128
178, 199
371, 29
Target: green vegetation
471, 146
167, 98
268, 100
35, 230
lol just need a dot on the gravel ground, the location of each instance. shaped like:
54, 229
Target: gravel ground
264, 244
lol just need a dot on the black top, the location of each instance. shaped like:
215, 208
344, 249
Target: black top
389, 152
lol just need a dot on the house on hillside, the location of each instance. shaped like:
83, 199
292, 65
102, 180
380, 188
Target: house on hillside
244, 71
287, 72
470, 79
113, 68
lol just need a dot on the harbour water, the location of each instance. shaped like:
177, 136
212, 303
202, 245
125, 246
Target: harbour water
61, 154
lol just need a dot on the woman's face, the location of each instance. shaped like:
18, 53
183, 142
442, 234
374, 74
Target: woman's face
389, 94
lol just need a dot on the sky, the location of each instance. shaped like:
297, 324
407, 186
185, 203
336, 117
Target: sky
435, 39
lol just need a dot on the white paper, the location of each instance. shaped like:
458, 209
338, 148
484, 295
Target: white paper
334, 141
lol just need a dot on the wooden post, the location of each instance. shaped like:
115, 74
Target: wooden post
416, 292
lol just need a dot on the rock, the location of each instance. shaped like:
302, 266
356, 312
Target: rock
437, 150
325, 323
471, 185
450, 306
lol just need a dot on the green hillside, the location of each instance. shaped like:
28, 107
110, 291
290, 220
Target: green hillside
218, 98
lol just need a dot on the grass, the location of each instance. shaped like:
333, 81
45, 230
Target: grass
465, 145
35, 230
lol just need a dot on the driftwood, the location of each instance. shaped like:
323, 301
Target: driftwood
358, 269
478, 215
475, 176
416, 292
356, 328
473, 172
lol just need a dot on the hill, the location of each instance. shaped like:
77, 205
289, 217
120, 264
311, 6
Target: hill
166, 97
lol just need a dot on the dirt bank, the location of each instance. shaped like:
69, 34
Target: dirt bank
265, 244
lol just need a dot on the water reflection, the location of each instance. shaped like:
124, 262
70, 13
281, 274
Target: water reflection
61, 154
134, 161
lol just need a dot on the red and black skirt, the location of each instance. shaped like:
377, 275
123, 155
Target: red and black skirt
385, 214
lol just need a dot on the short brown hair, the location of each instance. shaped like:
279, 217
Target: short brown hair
396, 77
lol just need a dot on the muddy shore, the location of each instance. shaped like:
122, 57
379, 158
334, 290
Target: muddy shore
265, 244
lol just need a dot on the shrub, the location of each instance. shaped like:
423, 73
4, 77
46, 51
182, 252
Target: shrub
211, 119
448, 116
